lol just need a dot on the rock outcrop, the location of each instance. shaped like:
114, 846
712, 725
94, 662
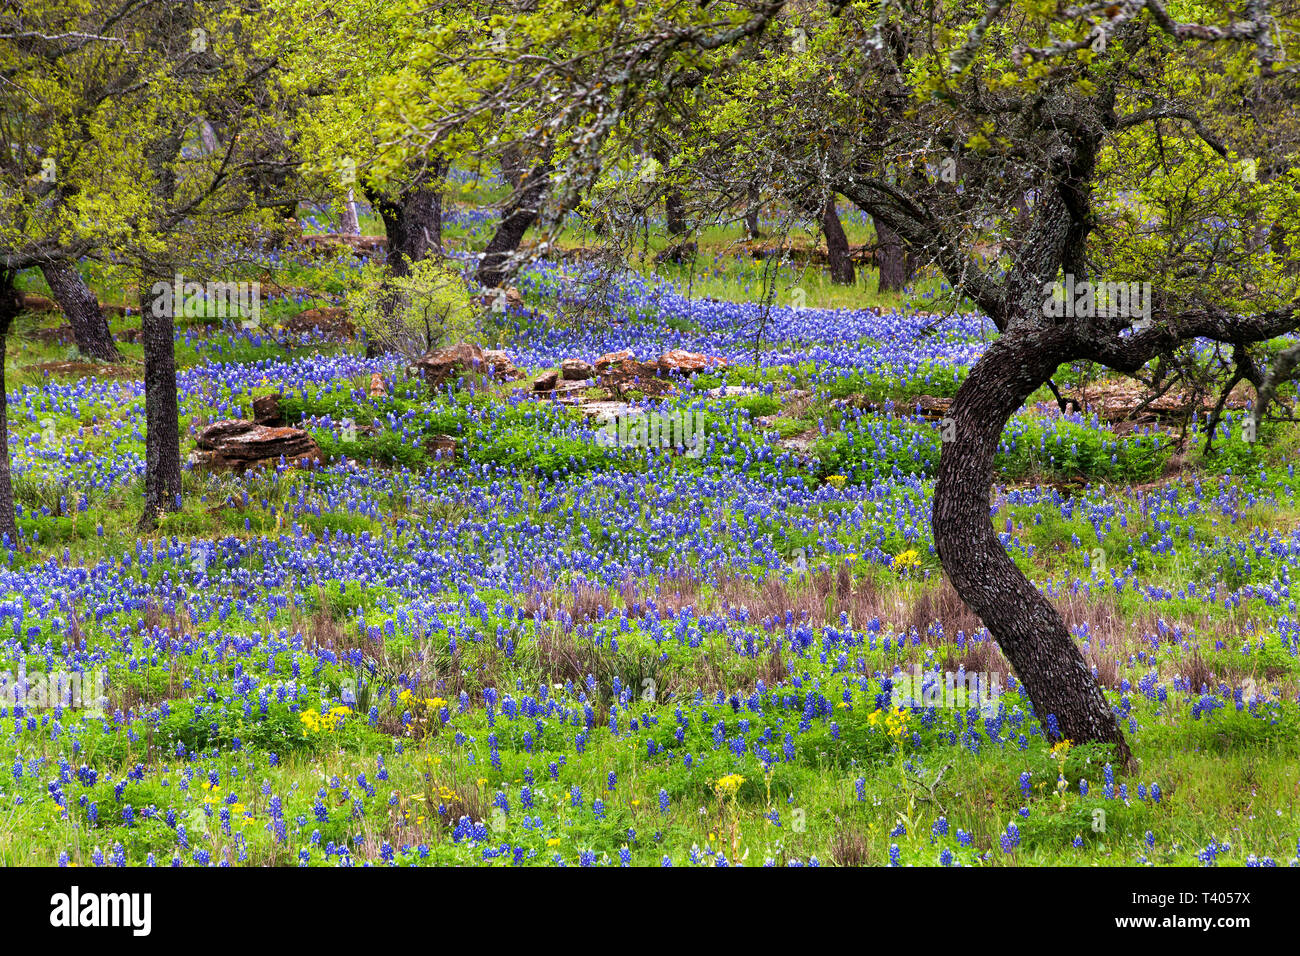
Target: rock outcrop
238, 445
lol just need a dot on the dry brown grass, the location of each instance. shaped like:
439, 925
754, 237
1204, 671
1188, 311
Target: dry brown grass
851, 847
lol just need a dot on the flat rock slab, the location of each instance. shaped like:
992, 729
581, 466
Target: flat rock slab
605, 409
88, 369
330, 322
239, 444
335, 240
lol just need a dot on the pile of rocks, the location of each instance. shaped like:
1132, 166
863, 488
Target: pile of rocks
447, 364
619, 371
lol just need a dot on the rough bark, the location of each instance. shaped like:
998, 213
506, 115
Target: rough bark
162, 481
519, 214
837, 246
1028, 629
892, 259
413, 224
413, 221
8, 310
81, 308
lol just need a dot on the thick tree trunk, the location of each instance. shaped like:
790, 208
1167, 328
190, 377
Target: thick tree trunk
1029, 630
674, 205
162, 482
413, 222
837, 246
81, 308
892, 259
520, 213
8, 519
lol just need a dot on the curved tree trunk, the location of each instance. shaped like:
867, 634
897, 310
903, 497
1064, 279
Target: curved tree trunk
837, 246
892, 259
8, 310
81, 308
519, 214
162, 482
1026, 626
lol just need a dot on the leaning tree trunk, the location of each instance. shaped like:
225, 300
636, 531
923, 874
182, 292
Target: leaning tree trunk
162, 442
8, 310
892, 259
81, 308
837, 246
1028, 629
520, 213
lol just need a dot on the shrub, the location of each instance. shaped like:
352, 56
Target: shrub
412, 314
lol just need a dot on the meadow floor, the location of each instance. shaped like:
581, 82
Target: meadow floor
551, 650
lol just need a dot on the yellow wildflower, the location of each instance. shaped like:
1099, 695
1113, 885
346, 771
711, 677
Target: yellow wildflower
728, 785
907, 559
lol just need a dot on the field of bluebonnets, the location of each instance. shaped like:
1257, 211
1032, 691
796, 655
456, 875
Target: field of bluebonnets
554, 651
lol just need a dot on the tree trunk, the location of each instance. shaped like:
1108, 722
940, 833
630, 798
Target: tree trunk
675, 213
81, 308
413, 222
208, 136
837, 246
513, 165
162, 482
1032, 635
350, 222
892, 259
751, 215
520, 213
8, 310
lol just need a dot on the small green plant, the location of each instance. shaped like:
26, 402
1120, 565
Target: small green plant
429, 307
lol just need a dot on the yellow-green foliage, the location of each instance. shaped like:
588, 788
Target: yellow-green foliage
411, 314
